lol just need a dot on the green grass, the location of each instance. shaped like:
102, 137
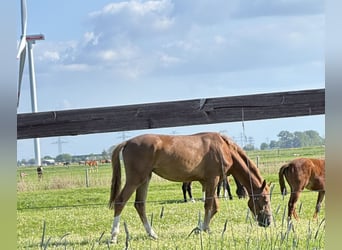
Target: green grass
61, 212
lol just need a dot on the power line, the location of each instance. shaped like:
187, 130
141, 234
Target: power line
59, 142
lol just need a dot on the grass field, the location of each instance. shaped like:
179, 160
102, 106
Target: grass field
68, 210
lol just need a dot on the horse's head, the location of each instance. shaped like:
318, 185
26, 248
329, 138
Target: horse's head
259, 203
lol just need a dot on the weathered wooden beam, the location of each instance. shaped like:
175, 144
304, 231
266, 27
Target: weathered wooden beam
171, 114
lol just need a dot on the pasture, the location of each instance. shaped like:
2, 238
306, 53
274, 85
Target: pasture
66, 210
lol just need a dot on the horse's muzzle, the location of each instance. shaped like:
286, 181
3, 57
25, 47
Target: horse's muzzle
264, 220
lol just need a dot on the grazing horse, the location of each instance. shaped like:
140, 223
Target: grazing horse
303, 173
93, 165
203, 157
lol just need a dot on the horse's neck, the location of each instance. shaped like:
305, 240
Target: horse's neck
244, 169
247, 174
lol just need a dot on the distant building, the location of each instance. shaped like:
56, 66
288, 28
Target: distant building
47, 162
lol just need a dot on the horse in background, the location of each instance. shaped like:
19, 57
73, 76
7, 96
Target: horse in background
303, 173
40, 172
93, 165
240, 190
203, 157
186, 188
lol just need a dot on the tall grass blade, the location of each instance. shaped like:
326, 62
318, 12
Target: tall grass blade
61, 239
271, 191
151, 220
247, 215
316, 234
162, 212
47, 243
283, 218
99, 240
127, 236
224, 228
43, 235
300, 207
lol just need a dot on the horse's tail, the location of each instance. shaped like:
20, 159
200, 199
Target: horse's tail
116, 175
281, 179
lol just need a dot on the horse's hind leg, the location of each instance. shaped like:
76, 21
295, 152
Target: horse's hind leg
319, 202
139, 204
119, 205
292, 204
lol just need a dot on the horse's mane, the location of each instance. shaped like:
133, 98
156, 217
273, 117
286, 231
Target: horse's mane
250, 164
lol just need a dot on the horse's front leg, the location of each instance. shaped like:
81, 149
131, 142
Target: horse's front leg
140, 200
210, 206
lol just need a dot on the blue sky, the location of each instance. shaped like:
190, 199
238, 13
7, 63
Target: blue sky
108, 53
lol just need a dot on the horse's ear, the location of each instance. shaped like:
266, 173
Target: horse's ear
263, 185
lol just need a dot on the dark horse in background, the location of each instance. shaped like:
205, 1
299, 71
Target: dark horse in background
303, 173
240, 190
203, 157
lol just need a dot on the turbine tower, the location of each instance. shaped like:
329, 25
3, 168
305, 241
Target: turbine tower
26, 43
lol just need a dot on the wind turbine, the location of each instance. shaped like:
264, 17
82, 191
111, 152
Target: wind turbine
26, 43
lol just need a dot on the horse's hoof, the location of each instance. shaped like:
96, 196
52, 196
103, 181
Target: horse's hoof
153, 236
113, 240
196, 230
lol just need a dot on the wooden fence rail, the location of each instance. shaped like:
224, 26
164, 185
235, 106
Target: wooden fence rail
171, 114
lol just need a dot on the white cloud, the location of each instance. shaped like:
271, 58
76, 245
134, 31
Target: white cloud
176, 37
108, 55
50, 56
135, 7
74, 67
90, 37
219, 39
167, 60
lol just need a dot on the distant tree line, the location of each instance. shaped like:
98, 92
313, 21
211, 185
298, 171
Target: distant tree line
61, 158
297, 139
286, 139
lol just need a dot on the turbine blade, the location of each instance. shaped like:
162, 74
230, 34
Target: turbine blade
22, 46
23, 17
21, 71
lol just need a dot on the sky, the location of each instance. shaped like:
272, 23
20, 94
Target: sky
109, 53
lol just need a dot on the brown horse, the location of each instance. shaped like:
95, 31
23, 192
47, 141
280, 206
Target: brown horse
303, 173
203, 157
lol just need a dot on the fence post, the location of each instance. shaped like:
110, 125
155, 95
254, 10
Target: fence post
87, 179
257, 161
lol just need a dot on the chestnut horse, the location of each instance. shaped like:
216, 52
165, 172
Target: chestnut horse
203, 157
303, 173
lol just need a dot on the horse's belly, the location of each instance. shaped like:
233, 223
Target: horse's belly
177, 174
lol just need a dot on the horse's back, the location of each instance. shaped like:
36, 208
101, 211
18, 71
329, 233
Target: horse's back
317, 175
307, 172
174, 157
170, 144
